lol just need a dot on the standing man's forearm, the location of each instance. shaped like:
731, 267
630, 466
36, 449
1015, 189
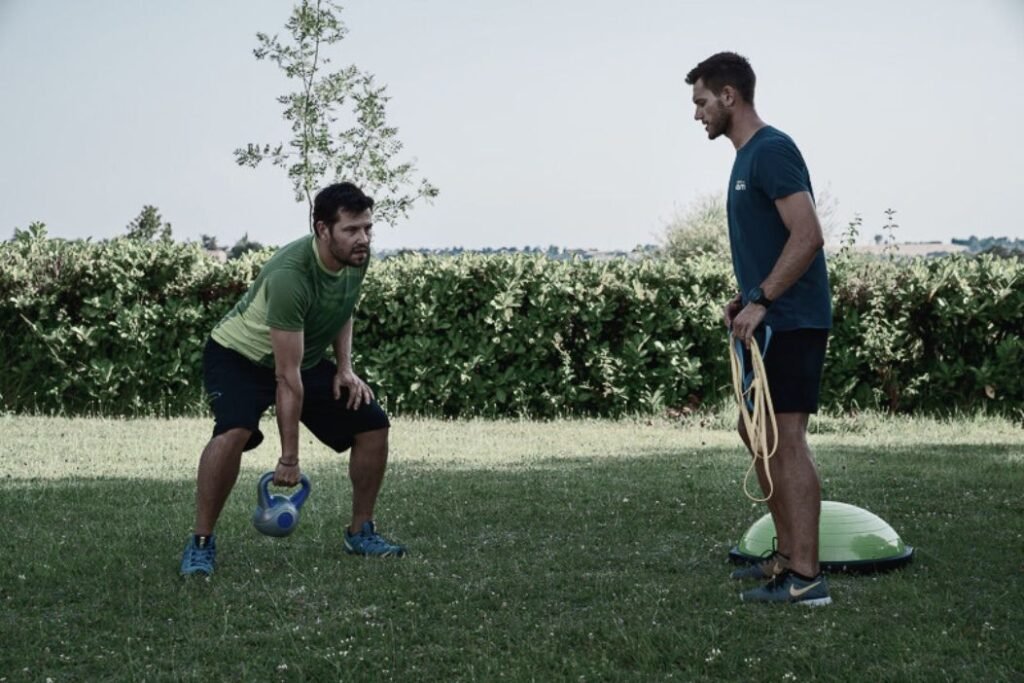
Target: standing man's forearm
802, 247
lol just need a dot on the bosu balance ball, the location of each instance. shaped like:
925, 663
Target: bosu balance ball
850, 539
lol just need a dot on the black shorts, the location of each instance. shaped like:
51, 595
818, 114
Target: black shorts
240, 391
794, 362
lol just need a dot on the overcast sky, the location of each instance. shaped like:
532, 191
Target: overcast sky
562, 122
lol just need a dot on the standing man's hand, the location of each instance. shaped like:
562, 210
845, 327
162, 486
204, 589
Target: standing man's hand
730, 310
358, 390
748, 320
287, 472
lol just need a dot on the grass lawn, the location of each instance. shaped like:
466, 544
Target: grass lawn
576, 550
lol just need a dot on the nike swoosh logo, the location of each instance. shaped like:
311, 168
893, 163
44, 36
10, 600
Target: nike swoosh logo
795, 592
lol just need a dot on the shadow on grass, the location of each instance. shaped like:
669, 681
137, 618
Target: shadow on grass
607, 568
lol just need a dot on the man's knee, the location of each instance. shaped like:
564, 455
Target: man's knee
376, 437
741, 430
236, 439
792, 429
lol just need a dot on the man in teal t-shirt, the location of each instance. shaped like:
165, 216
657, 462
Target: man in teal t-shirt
776, 243
271, 349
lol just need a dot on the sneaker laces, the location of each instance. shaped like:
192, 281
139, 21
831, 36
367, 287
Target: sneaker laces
375, 540
197, 555
773, 560
771, 557
775, 583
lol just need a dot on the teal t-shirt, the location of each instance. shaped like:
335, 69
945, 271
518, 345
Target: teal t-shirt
294, 291
769, 167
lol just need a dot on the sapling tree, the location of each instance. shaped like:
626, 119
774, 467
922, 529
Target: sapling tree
338, 119
148, 226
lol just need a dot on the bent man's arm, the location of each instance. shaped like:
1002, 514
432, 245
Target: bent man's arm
288, 348
358, 390
343, 347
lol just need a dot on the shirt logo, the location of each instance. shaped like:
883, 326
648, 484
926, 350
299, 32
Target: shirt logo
740, 185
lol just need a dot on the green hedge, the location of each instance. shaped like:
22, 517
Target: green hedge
938, 335
109, 328
522, 335
117, 328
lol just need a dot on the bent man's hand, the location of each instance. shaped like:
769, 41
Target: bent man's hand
358, 390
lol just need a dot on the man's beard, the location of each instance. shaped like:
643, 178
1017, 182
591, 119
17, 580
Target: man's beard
354, 258
719, 126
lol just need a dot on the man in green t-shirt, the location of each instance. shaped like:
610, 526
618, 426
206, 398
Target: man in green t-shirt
271, 349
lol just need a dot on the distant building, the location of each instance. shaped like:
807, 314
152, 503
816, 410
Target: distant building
219, 255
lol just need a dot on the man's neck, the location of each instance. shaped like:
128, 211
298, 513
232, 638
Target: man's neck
326, 258
745, 123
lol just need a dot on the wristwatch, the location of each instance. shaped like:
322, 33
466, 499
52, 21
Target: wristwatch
756, 296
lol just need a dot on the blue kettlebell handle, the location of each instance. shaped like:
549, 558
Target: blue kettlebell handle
262, 493
297, 499
300, 496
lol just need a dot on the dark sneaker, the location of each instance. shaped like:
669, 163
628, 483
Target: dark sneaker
199, 560
787, 587
371, 544
768, 568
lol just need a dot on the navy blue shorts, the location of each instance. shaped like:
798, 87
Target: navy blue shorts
794, 362
240, 391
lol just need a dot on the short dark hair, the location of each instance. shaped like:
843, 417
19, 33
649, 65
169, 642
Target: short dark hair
339, 196
722, 69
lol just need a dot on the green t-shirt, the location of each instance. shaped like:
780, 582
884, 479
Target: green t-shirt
294, 291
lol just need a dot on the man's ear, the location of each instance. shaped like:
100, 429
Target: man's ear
728, 96
318, 227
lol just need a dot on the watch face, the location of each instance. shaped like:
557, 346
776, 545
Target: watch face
757, 296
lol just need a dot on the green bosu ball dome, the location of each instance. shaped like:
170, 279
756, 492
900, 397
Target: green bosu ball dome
850, 539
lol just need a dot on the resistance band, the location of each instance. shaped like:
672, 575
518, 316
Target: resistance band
756, 408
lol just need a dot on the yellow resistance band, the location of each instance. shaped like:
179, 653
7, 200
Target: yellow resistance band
756, 410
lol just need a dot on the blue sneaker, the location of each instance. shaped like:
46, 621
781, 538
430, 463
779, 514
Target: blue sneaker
787, 587
371, 544
768, 568
196, 560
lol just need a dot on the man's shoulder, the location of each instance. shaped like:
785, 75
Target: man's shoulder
771, 138
296, 256
297, 249
775, 149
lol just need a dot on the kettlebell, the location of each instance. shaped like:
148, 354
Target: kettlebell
278, 515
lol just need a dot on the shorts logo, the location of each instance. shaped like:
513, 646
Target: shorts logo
740, 185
